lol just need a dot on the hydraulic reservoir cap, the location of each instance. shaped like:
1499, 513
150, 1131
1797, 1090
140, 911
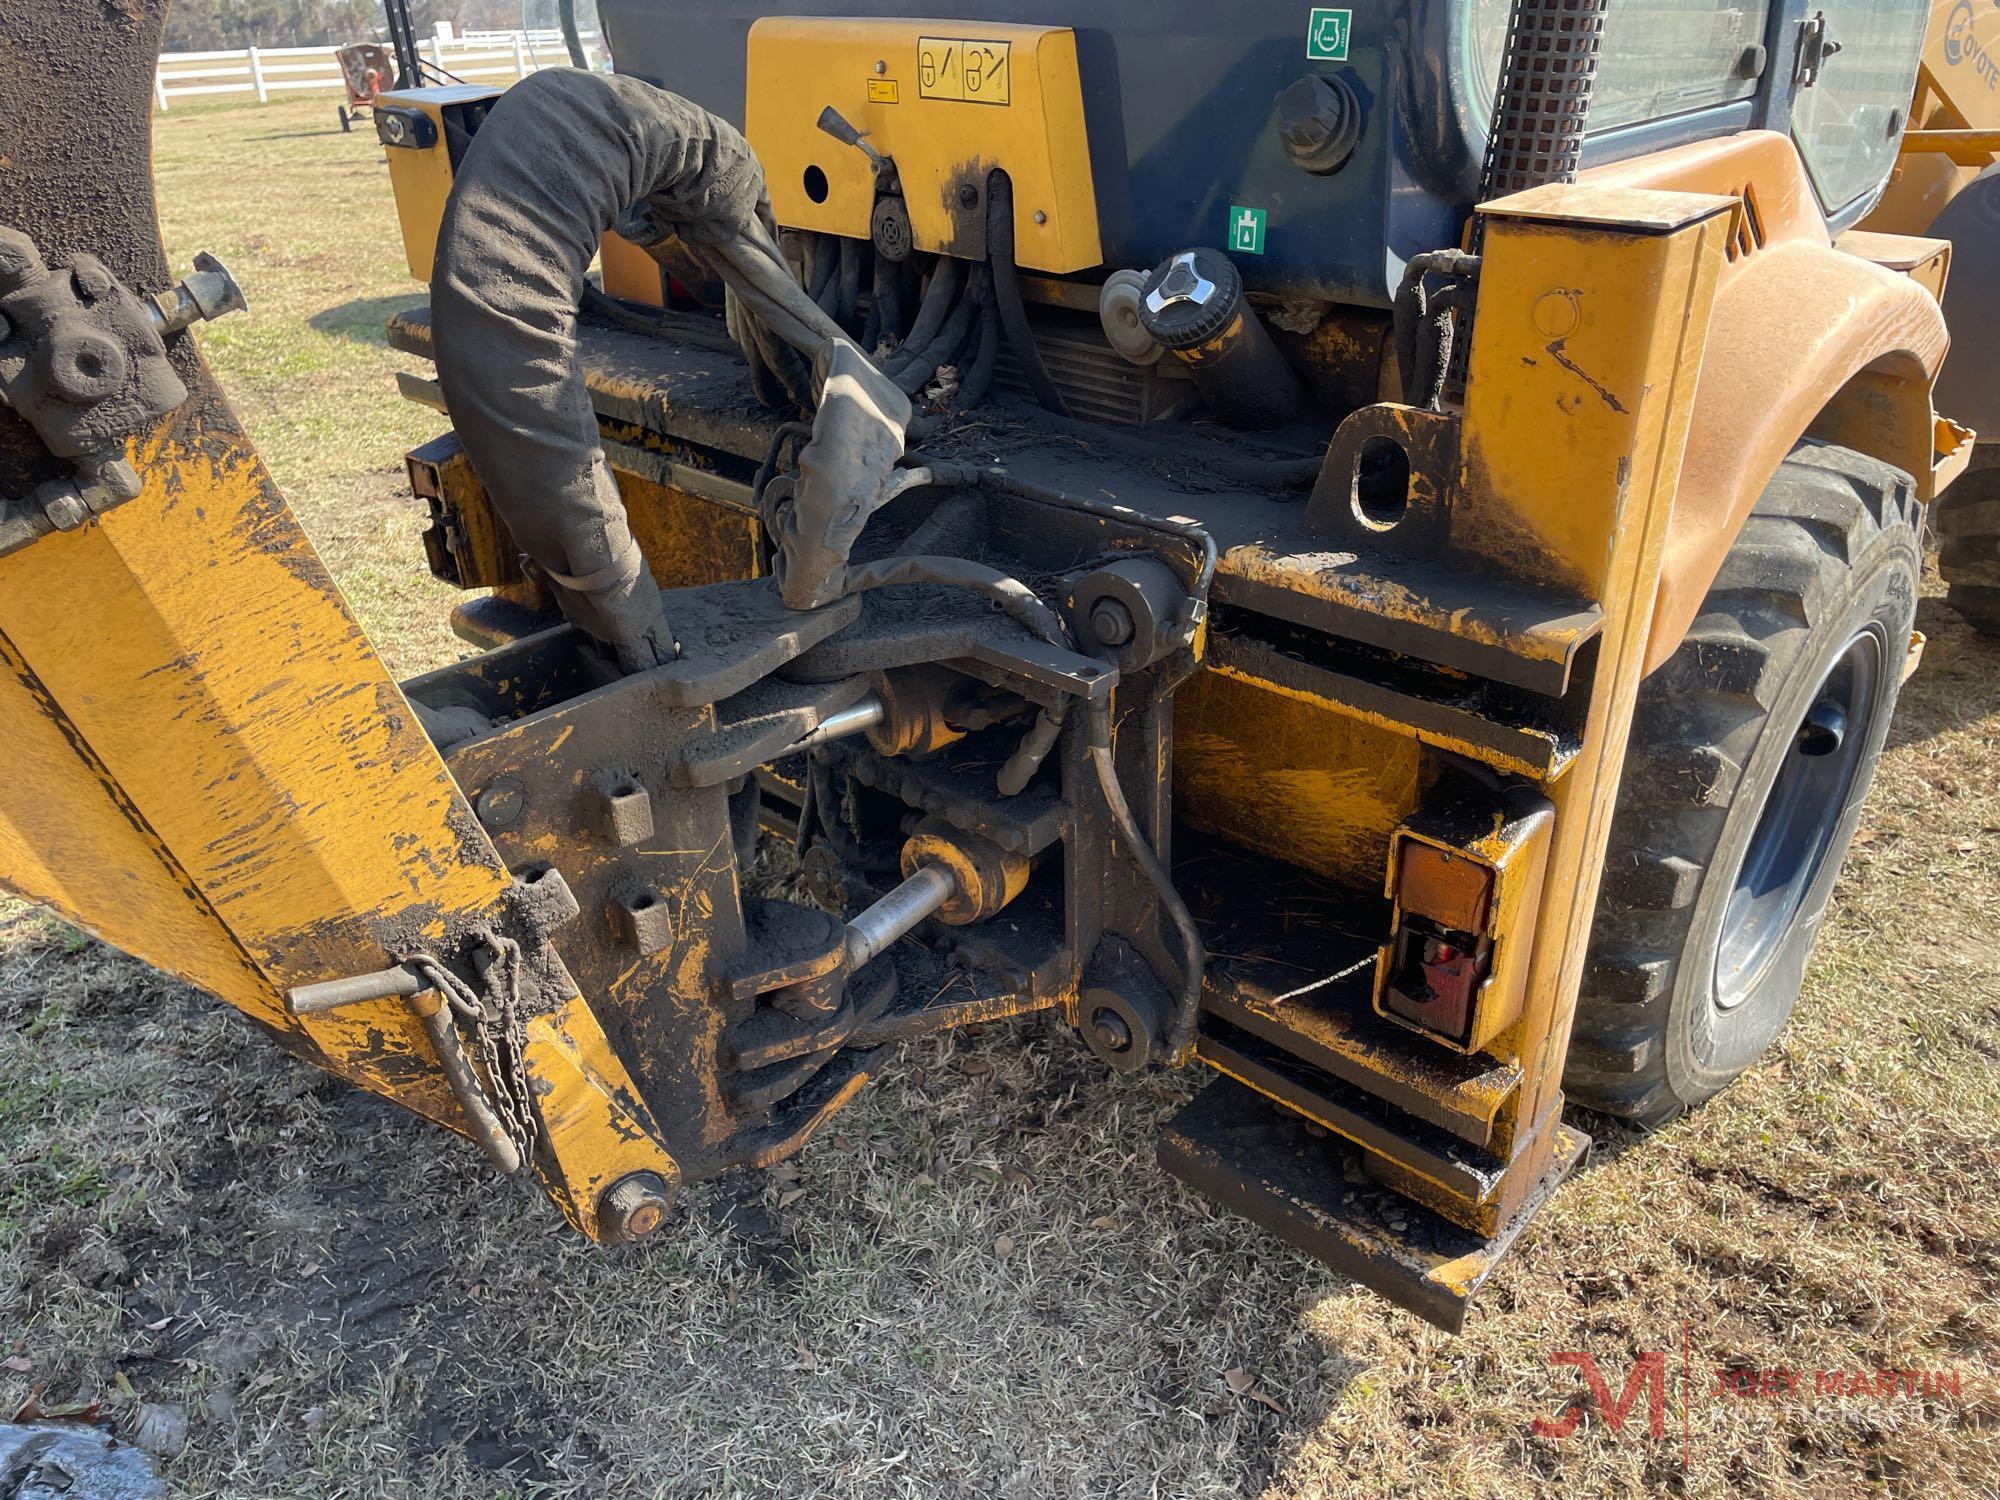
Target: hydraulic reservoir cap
1193, 303
1190, 298
1319, 120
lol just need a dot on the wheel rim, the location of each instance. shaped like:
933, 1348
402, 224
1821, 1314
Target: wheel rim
1799, 820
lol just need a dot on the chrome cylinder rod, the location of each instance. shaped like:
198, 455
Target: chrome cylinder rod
856, 718
896, 913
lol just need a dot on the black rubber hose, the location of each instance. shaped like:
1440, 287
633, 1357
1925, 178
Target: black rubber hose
1007, 291
765, 383
912, 376
762, 279
844, 842
979, 378
572, 38
954, 472
931, 313
887, 295
683, 328
1180, 1030
847, 283
787, 432
1409, 313
822, 265
1014, 597
1033, 749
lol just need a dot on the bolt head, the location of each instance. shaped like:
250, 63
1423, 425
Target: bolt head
1040, 217
92, 281
1111, 1030
968, 195
1111, 622
633, 1206
881, 66
501, 804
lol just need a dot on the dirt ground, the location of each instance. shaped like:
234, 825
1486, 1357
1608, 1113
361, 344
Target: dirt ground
978, 1282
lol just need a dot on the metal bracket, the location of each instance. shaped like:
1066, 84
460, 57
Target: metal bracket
84, 362
1816, 45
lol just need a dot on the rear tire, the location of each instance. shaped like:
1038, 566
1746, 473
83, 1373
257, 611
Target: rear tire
1752, 751
1968, 525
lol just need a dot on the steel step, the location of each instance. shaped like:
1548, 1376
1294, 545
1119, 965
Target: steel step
1233, 1145
1334, 1030
1437, 1156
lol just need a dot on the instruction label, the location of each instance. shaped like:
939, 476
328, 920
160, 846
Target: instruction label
881, 91
965, 68
1246, 229
1328, 33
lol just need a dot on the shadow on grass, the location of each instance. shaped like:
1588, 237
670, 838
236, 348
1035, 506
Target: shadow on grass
367, 135
1958, 682
363, 320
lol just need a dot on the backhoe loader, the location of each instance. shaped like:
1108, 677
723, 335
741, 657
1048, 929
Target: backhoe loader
1370, 551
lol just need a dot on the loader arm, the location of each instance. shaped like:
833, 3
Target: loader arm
211, 767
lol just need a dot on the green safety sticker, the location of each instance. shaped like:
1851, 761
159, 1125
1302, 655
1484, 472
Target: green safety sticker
1327, 34
1246, 230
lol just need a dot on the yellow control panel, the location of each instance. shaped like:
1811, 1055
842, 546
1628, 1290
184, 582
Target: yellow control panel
947, 101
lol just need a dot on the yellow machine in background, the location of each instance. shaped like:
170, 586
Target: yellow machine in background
1946, 184
1405, 621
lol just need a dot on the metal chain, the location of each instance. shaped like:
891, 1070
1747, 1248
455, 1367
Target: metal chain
503, 1043
498, 1029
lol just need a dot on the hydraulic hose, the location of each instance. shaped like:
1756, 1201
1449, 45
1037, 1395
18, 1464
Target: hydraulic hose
931, 313
1014, 597
847, 283
1007, 291
979, 376
1180, 1030
572, 38
887, 300
958, 326
1422, 362
698, 329
953, 472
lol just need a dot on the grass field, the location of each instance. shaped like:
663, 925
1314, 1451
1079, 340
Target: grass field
977, 1283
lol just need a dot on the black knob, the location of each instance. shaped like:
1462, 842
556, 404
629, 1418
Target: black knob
1319, 120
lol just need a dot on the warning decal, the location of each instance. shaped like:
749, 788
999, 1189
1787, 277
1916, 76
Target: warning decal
964, 68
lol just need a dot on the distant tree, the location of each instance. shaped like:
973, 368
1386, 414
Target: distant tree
217, 25
204, 25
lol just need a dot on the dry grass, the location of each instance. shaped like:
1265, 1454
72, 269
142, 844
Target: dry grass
347, 1302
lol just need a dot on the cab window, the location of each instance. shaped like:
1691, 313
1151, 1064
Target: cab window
1661, 57
1850, 122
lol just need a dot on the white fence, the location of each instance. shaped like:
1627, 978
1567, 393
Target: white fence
476, 57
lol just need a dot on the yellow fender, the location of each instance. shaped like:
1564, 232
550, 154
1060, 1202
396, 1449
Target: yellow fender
1807, 340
